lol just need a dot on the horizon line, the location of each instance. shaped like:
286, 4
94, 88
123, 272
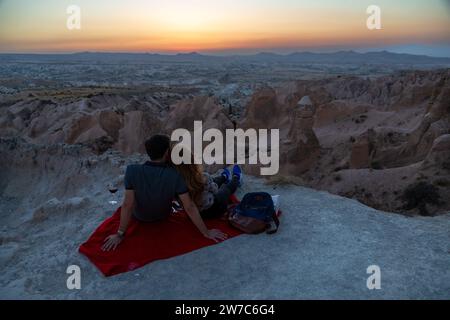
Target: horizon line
191, 52
224, 54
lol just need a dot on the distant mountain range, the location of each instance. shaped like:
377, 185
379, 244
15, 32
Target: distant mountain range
340, 57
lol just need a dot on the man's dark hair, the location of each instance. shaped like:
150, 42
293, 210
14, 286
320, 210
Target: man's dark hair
157, 146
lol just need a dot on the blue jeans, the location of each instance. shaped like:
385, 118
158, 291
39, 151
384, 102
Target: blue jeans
221, 198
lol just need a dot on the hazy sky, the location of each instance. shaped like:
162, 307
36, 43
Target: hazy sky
219, 25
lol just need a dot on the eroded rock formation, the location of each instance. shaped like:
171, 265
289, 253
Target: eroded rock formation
366, 138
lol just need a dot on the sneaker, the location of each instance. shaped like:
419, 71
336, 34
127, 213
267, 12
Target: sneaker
238, 173
226, 174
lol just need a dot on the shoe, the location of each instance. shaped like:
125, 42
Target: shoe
238, 173
226, 174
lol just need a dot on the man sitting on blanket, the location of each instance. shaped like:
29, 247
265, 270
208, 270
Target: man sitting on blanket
149, 191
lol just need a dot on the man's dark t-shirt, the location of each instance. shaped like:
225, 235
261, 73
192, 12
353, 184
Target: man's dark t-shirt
155, 185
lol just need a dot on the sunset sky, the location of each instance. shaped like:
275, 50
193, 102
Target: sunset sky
220, 26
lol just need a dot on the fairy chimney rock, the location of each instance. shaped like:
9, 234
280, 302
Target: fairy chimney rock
301, 149
303, 120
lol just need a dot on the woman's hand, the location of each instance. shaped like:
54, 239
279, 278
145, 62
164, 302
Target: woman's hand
111, 242
192, 212
216, 235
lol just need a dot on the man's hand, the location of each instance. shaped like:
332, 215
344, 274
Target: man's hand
111, 242
216, 235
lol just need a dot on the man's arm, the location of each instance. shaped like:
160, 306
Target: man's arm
192, 211
112, 241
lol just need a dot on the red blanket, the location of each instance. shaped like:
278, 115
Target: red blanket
147, 242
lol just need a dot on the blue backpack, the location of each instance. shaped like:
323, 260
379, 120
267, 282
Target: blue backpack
255, 214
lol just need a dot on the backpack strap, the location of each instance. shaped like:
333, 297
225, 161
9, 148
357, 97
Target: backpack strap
273, 225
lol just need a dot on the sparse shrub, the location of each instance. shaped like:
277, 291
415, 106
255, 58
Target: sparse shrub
337, 169
446, 165
375, 165
419, 195
282, 180
442, 182
100, 145
421, 176
362, 118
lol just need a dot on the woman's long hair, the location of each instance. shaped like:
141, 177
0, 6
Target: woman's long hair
193, 177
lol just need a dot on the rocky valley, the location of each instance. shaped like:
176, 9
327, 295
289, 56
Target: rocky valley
382, 140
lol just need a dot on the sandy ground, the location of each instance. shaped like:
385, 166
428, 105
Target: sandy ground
322, 250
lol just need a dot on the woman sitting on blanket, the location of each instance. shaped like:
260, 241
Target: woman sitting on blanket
210, 194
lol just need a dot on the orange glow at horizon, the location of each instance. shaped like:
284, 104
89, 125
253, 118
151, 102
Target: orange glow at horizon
195, 25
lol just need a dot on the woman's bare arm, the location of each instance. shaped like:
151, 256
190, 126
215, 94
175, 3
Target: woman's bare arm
192, 211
